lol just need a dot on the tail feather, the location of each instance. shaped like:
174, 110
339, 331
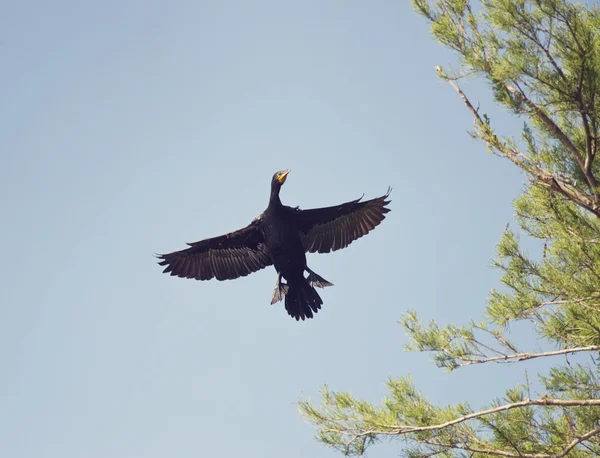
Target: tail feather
302, 300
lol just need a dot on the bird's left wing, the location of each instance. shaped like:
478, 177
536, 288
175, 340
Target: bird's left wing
229, 256
332, 228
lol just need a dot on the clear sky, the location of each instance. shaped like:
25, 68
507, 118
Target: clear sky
130, 127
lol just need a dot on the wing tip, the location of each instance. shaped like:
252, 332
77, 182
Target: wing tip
385, 199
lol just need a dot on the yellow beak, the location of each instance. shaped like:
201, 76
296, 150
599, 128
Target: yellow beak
283, 176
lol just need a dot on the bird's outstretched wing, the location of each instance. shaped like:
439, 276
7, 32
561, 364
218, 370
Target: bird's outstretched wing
229, 256
332, 228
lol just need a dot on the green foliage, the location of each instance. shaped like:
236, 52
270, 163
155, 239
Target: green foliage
542, 61
351, 425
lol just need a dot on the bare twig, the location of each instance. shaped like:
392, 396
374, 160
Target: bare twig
543, 177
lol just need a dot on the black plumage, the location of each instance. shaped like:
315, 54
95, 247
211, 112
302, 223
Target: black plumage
281, 236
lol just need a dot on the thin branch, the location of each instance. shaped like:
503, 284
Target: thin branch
525, 356
589, 153
546, 50
526, 402
502, 434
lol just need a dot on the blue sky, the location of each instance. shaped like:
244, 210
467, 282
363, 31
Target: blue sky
131, 127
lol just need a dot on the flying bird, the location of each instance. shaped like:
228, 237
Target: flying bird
281, 236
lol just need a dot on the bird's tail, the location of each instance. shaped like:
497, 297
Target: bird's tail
302, 300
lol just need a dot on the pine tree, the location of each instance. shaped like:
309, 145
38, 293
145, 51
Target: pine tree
542, 58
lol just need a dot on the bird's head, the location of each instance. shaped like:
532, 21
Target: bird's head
278, 179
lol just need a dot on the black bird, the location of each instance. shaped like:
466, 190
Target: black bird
280, 236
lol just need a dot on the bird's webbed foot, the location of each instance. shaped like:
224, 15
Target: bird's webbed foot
315, 280
280, 291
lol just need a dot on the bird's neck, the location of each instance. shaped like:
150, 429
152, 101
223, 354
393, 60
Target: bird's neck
274, 201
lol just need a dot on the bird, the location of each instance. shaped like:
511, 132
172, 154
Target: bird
281, 236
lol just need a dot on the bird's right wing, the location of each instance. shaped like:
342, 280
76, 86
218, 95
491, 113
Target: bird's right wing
229, 256
332, 228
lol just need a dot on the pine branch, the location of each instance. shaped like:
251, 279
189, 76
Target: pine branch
515, 405
406, 429
516, 357
561, 454
557, 132
589, 140
356, 434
